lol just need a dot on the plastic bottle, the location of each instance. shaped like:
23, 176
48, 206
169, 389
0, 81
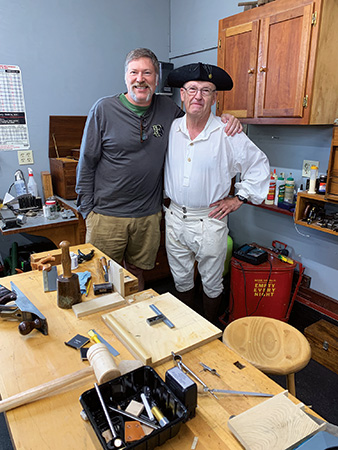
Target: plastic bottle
289, 189
20, 184
271, 194
313, 179
280, 190
31, 185
275, 174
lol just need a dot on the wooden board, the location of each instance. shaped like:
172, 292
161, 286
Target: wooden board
47, 187
323, 338
141, 296
98, 304
153, 344
124, 282
276, 424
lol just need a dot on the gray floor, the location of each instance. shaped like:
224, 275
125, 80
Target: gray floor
5, 442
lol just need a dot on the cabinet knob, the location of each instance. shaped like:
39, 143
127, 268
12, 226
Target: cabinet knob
251, 71
262, 69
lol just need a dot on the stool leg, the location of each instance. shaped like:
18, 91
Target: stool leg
290, 384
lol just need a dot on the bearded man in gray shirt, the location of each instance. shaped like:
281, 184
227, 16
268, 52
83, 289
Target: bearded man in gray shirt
119, 174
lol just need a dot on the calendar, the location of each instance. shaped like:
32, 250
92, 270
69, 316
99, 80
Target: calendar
13, 121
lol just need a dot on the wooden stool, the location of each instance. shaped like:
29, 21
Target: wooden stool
271, 345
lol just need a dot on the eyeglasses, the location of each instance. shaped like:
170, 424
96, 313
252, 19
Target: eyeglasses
143, 133
206, 92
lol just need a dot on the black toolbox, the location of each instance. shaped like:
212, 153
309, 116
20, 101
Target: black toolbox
119, 392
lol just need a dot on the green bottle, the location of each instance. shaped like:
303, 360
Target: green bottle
289, 189
280, 190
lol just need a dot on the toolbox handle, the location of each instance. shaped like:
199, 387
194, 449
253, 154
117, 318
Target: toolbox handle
292, 301
301, 272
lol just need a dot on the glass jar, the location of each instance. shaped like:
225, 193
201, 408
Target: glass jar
50, 209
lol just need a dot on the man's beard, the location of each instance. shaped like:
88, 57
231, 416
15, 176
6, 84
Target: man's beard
133, 94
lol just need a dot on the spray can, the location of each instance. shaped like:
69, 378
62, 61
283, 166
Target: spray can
272, 189
31, 185
280, 190
289, 189
322, 184
20, 184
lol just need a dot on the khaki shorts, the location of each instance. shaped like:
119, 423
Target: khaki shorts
134, 240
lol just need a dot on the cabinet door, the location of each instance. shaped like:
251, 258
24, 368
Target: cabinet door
283, 62
238, 56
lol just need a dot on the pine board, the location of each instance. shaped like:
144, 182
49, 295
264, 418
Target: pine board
98, 304
276, 424
153, 344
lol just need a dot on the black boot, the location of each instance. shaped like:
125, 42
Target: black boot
211, 307
186, 297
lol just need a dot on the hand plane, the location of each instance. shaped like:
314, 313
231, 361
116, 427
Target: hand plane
22, 310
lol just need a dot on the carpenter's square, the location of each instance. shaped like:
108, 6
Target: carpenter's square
159, 318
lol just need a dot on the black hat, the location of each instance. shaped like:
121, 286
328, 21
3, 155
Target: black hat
200, 72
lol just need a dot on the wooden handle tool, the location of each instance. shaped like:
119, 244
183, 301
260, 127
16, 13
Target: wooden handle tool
68, 285
105, 268
102, 364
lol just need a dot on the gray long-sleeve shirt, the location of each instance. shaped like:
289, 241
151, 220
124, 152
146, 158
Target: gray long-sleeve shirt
117, 174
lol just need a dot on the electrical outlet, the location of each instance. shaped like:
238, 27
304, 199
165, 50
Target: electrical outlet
25, 157
307, 167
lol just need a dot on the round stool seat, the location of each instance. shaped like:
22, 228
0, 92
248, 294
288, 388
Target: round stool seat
271, 345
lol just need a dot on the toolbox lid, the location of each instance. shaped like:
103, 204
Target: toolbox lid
272, 262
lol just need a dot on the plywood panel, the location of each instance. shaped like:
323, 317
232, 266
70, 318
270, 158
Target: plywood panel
276, 424
153, 344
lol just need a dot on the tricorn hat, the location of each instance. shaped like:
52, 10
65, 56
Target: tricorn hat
200, 72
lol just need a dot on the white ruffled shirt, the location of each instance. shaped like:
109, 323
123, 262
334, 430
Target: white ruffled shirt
198, 172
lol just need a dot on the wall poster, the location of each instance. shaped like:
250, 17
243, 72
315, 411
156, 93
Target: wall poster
13, 121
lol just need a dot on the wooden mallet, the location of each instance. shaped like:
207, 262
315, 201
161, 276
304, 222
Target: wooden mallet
68, 286
101, 364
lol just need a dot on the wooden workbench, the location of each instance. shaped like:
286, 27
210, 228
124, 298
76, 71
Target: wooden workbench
55, 422
56, 230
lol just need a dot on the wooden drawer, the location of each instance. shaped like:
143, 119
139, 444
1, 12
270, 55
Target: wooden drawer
323, 338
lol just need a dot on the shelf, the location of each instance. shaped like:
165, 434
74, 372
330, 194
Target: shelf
273, 208
303, 200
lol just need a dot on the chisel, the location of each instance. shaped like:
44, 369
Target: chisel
105, 268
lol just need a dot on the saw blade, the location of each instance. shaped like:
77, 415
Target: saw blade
24, 304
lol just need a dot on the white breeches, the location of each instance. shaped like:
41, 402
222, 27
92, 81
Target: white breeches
193, 236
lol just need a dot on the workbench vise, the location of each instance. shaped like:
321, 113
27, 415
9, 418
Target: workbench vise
21, 309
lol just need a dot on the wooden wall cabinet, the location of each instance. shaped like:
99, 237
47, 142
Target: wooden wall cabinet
284, 63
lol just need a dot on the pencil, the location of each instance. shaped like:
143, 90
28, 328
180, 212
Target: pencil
88, 286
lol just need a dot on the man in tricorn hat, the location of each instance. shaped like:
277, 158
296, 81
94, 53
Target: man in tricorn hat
200, 163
